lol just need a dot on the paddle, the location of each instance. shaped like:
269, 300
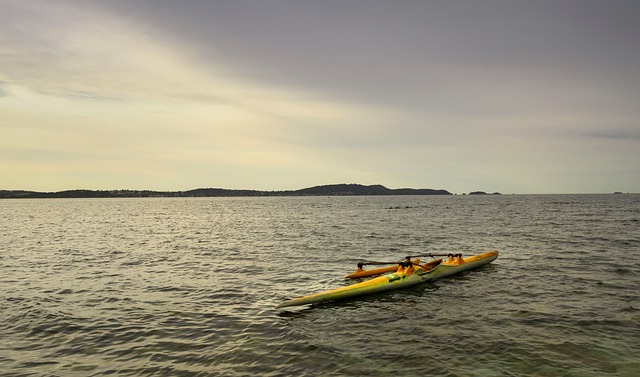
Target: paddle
374, 263
407, 262
435, 255
408, 257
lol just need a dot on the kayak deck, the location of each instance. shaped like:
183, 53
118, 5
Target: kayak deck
402, 277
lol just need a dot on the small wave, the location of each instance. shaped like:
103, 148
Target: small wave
629, 309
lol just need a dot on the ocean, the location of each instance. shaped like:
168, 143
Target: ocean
188, 286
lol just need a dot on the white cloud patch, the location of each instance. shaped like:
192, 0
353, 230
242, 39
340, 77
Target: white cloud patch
132, 107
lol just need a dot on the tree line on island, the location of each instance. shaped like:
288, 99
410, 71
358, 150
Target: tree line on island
324, 190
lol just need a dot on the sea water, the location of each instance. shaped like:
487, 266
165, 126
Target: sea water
187, 286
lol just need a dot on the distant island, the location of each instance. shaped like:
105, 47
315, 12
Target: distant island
325, 190
483, 193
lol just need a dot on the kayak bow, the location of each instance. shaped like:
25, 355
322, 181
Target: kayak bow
403, 277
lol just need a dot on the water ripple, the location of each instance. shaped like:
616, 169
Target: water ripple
148, 287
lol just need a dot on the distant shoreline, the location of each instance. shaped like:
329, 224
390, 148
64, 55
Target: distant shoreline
325, 190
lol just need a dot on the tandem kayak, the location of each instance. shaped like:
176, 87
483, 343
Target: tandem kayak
405, 276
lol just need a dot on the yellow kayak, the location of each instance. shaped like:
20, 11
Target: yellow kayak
405, 276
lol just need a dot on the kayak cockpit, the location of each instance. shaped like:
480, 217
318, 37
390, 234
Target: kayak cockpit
408, 267
430, 265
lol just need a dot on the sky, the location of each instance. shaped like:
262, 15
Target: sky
510, 96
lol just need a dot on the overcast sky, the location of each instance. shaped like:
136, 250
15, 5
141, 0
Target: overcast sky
510, 96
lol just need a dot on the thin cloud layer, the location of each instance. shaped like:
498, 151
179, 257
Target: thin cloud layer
530, 97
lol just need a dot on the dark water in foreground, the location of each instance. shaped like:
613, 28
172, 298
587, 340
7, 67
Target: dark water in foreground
186, 287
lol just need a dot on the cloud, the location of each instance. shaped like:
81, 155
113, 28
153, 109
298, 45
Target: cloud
616, 134
266, 95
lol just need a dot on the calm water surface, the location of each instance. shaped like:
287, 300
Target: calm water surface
187, 287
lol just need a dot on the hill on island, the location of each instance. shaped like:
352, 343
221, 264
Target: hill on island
325, 190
